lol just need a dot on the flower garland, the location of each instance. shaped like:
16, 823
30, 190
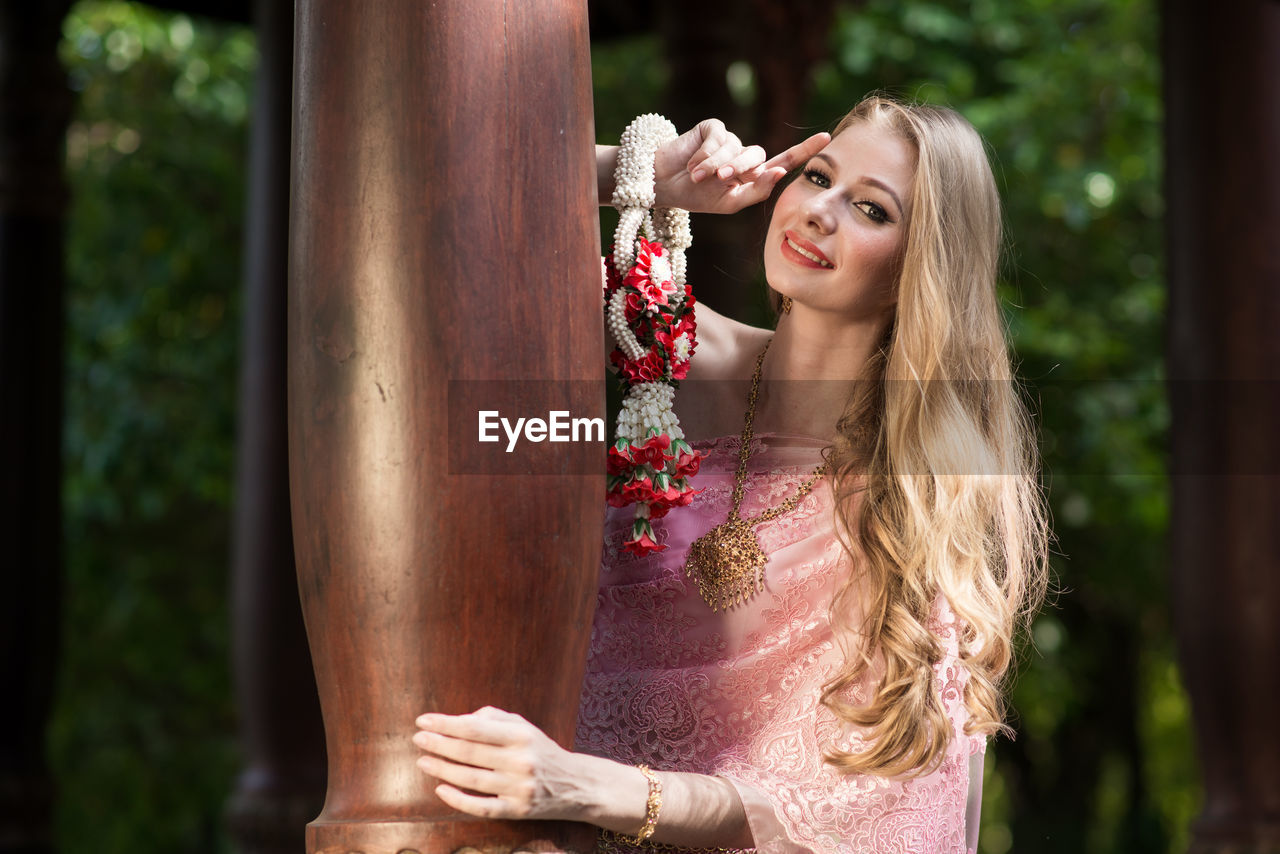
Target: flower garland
649, 313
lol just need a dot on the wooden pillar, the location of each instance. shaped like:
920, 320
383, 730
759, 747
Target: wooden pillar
282, 785
443, 229
1222, 70
35, 106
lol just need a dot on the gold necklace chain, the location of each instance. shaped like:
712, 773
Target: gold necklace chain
727, 562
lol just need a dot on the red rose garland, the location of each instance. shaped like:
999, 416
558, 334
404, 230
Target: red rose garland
650, 463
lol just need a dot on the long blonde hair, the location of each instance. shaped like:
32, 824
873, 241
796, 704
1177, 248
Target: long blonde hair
935, 467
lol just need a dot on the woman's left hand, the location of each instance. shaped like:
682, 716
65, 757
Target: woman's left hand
495, 764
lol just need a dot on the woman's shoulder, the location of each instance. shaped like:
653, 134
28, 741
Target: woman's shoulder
727, 348
712, 399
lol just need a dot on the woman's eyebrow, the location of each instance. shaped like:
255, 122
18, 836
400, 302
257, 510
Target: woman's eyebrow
876, 182
866, 179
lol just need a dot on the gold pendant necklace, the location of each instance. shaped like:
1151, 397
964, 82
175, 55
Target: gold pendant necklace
727, 562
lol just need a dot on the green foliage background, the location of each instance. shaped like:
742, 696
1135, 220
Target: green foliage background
1066, 93
143, 740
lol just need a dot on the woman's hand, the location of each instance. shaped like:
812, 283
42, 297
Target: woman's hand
708, 169
495, 764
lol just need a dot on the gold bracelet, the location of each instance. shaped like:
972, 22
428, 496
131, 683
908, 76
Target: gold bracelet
652, 806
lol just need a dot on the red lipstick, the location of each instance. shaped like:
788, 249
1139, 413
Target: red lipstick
795, 248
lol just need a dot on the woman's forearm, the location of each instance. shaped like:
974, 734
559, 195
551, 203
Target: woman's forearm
698, 811
606, 161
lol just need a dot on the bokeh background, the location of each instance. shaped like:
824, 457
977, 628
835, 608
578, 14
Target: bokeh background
143, 741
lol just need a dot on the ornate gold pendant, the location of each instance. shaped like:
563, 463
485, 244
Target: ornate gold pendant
727, 563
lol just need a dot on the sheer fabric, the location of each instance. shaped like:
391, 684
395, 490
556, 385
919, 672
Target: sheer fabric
676, 686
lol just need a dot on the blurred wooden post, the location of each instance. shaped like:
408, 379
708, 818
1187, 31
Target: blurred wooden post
282, 785
443, 228
35, 106
1222, 72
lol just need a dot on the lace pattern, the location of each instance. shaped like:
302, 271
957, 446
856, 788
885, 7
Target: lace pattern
681, 688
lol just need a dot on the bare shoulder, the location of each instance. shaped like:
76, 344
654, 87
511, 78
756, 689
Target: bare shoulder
727, 348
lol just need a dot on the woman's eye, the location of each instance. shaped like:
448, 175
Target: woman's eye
873, 211
817, 177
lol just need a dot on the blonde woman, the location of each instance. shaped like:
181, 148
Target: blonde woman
873, 452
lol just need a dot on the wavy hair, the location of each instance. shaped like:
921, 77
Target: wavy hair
935, 468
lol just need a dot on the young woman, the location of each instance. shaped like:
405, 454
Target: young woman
873, 452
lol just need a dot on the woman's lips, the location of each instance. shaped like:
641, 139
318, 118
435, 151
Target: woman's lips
804, 253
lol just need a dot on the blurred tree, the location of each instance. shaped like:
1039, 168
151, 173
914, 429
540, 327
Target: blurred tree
144, 741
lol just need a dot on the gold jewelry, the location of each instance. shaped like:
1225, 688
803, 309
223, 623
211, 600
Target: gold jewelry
785, 305
727, 562
652, 806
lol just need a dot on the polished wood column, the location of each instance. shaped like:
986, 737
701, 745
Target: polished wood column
443, 229
1222, 69
35, 107
281, 786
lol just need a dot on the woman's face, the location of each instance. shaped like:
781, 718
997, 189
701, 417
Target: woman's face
836, 237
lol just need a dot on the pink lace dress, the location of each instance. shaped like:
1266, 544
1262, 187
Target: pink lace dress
674, 685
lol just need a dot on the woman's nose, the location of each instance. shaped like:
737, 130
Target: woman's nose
818, 212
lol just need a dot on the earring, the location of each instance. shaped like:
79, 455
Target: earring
786, 304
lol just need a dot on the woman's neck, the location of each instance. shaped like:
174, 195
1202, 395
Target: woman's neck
810, 372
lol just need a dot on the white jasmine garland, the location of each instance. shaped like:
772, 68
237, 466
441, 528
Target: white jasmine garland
649, 462
673, 224
620, 329
634, 194
647, 407
630, 221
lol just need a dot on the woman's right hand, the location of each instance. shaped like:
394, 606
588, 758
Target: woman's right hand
709, 170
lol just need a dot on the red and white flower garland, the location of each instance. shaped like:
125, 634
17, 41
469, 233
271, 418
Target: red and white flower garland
649, 313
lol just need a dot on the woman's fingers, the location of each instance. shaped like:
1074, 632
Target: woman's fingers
487, 726
744, 162
730, 159
460, 749
725, 155
746, 176
481, 806
722, 154
488, 739
752, 187
476, 779
799, 153
487, 762
709, 169
713, 135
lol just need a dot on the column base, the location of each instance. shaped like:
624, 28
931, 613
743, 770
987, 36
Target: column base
453, 836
